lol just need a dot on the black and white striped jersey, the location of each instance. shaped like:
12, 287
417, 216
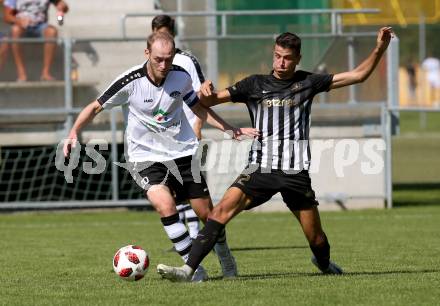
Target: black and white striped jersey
156, 127
281, 110
189, 62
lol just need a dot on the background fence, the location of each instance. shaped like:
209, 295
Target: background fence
35, 117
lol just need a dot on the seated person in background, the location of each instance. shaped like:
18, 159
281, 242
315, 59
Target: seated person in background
29, 19
4, 46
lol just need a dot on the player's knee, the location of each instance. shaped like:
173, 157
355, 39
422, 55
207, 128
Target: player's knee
220, 214
164, 209
203, 214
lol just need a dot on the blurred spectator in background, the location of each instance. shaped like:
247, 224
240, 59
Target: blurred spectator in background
412, 79
3, 47
29, 19
432, 67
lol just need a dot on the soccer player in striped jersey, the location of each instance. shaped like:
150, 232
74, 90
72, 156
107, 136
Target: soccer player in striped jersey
160, 143
280, 106
164, 23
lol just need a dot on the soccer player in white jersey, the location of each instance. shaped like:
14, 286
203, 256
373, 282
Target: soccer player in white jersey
160, 142
280, 106
164, 23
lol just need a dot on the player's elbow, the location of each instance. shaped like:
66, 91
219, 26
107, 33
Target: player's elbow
95, 107
360, 76
356, 78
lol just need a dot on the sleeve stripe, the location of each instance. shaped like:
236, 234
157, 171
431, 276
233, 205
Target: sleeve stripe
193, 101
110, 92
188, 95
196, 64
198, 69
119, 84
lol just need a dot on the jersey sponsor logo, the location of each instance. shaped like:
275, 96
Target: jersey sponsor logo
160, 115
275, 102
175, 94
296, 86
149, 100
242, 179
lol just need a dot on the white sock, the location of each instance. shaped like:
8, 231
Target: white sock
181, 210
193, 222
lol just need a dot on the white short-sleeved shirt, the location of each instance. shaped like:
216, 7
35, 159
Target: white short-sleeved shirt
188, 62
156, 127
36, 10
432, 67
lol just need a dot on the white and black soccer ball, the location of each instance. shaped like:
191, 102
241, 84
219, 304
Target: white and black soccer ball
131, 262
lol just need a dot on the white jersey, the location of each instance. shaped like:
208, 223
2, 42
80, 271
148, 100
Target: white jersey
432, 67
156, 127
188, 62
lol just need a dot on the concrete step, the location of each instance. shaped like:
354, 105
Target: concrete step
40, 96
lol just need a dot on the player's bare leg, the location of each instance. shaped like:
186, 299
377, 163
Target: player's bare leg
311, 225
232, 203
162, 200
202, 207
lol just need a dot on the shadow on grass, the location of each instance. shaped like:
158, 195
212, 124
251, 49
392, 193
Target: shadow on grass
314, 274
264, 248
417, 186
416, 194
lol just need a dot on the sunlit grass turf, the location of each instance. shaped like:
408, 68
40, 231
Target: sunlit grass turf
391, 258
416, 162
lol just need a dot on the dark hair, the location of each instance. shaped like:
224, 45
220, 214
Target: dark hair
290, 41
160, 36
161, 21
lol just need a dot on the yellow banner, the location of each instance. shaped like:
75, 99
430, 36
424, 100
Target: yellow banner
402, 12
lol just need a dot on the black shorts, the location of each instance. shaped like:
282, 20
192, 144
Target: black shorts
182, 177
296, 189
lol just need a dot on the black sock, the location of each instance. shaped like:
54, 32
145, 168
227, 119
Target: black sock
222, 236
322, 253
204, 243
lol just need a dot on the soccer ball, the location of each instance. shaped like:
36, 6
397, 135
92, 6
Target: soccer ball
131, 262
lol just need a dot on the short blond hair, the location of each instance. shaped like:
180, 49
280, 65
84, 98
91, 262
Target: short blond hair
160, 36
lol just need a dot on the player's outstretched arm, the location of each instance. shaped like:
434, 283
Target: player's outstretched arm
209, 97
197, 127
363, 71
208, 115
85, 116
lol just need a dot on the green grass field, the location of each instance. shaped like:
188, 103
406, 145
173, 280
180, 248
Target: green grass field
390, 258
410, 123
416, 161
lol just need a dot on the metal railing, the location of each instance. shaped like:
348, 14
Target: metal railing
336, 31
335, 20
